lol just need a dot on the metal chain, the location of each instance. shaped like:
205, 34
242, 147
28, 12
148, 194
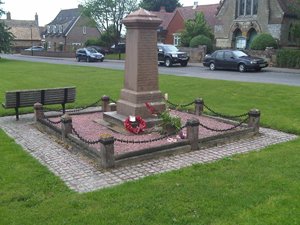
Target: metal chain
85, 107
85, 140
73, 110
180, 105
223, 130
223, 115
50, 121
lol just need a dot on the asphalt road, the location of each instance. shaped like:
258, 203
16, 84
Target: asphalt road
267, 75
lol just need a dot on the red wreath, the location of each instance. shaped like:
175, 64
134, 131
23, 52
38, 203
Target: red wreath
139, 128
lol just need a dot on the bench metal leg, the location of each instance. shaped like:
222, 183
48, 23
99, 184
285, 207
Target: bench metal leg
17, 113
64, 108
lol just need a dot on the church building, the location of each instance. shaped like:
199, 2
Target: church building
239, 21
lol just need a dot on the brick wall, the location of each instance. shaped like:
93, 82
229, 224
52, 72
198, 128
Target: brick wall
51, 54
196, 54
176, 25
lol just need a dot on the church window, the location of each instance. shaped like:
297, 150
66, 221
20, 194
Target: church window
255, 6
247, 7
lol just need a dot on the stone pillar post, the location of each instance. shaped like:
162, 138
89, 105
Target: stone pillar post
105, 103
38, 111
141, 70
199, 106
66, 125
254, 118
193, 133
107, 151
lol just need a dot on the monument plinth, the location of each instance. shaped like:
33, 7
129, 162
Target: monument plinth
141, 70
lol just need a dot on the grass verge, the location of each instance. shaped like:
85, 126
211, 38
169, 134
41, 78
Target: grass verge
256, 188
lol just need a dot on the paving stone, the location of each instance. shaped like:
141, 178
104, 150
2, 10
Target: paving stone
81, 176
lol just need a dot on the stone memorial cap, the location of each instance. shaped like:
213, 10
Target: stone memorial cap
141, 16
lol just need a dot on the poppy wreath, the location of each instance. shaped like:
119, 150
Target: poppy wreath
139, 128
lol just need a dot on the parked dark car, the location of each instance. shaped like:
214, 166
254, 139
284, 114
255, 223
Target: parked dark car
89, 55
119, 48
169, 55
233, 60
35, 49
99, 49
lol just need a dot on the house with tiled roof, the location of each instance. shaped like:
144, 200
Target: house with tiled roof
69, 30
173, 23
26, 32
166, 17
239, 21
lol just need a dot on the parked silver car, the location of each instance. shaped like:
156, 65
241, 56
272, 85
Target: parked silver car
88, 55
35, 49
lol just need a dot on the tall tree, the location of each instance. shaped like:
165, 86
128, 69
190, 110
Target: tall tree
295, 8
155, 5
108, 14
6, 36
195, 27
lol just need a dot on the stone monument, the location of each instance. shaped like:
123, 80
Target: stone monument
141, 69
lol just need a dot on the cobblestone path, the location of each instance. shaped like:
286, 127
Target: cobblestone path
82, 176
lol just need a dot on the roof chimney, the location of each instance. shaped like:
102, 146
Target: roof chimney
162, 9
195, 5
8, 16
36, 19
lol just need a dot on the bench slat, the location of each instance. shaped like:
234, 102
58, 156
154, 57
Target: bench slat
30, 97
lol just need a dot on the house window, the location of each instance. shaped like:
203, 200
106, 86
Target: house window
176, 39
247, 7
84, 29
48, 29
60, 29
53, 28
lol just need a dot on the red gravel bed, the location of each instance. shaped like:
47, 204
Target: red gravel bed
90, 130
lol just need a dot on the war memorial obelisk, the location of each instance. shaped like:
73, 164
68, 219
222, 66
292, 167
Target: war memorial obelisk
141, 70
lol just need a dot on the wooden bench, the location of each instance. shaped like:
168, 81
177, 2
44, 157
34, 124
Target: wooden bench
27, 98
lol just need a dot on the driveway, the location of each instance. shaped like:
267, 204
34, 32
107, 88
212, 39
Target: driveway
268, 75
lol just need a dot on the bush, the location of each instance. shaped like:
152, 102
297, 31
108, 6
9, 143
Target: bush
93, 42
201, 40
288, 58
263, 40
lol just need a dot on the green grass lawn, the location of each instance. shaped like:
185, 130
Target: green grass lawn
257, 188
115, 56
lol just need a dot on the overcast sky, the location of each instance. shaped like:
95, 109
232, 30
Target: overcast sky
47, 10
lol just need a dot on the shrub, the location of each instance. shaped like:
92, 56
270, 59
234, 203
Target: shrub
263, 40
201, 40
288, 58
92, 42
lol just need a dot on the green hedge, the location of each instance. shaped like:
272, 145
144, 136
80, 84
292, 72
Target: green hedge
201, 40
288, 58
263, 40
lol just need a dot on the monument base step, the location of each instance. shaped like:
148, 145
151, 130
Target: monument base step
116, 119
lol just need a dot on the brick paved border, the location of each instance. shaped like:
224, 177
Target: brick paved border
82, 176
